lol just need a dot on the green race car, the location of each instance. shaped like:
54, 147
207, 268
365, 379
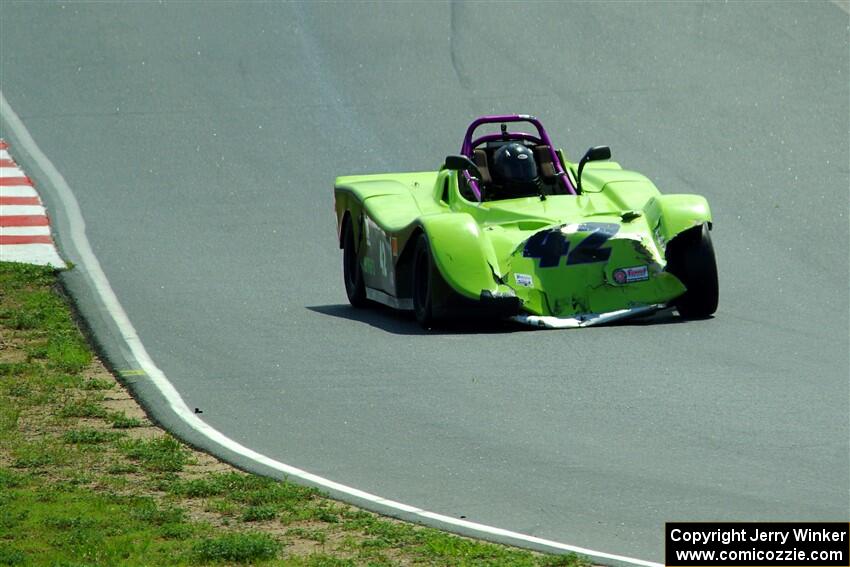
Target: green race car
511, 228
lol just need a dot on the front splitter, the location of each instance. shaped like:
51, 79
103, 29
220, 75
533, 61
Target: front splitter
585, 319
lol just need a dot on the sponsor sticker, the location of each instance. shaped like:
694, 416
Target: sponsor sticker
524, 280
629, 275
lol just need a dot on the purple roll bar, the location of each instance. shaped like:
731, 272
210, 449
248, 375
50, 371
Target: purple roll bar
542, 138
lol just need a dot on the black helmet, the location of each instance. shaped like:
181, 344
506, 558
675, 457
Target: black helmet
513, 164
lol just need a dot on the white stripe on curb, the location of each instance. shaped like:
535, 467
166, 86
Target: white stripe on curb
18, 191
24, 231
22, 210
39, 254
11, 172
91, 266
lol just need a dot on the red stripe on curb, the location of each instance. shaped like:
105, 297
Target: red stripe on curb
20, 201
24, 220
3, 145
10, 181
8, 163
21, 239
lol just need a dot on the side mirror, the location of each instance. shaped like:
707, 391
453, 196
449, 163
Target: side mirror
462, 163
596, 153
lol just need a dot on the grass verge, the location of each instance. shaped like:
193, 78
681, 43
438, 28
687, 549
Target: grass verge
85, 479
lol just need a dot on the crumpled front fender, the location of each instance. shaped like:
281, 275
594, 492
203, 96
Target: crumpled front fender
670, 215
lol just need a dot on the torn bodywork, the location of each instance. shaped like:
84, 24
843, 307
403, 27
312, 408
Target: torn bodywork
587, 273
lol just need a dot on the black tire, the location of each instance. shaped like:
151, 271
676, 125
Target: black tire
425, 276
690, 257
352, 272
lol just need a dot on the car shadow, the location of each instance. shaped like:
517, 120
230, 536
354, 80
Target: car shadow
403, 322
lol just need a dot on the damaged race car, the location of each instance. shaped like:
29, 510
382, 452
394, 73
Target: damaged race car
511, 228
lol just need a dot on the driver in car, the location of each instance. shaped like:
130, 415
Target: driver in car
514, 173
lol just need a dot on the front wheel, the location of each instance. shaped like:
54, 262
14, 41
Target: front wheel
425, 276
352, 272
690, 257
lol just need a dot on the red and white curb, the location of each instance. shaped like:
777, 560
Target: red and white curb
24, 224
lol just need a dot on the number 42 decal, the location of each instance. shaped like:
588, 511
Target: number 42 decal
551, 245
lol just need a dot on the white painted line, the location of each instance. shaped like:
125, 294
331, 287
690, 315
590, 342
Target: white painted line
24, 231
18, 191
4, 154
541, 541
843, 4
11, 172
91, 266
25, 210
40, 254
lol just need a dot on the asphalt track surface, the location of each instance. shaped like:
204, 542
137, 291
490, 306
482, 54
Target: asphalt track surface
202, 141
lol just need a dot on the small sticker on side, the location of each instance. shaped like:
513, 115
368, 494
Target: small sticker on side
629, 275
524, 280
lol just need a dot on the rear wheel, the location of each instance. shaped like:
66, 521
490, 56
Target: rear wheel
690, 257
425, 276
352, 272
